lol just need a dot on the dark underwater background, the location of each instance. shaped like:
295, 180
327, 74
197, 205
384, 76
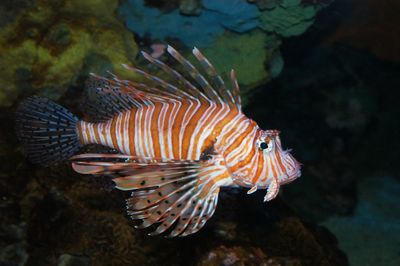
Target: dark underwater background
325, 73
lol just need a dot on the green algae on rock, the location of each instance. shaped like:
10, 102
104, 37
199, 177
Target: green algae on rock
248, 54
45, 48
290, 18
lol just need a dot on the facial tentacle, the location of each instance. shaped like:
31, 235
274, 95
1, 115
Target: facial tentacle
272, 190
252, 190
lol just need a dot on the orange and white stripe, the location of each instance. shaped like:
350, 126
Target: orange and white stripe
183, 130
184, 124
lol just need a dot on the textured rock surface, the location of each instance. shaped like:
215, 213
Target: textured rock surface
72, 215
50, 44
47, 46
289, 18
57, 211
335, 108
375, 224
73, 260
224, 27
248, 54
199, 30
265, 4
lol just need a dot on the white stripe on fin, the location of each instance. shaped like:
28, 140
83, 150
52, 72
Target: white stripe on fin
171, 194
217, 79
108, 96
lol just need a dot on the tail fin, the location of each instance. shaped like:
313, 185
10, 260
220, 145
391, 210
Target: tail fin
46, 130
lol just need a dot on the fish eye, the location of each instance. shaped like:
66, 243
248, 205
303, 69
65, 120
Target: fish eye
263, 145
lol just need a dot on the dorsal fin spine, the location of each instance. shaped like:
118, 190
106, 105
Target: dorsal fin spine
192, 90
235, 89
113, 95
172, 91
210, 70
194, 73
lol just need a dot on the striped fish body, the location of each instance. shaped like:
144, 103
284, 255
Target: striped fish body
194, 130
177, 143
180, 130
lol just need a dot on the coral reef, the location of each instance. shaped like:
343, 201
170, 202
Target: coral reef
60, 217
336, 105
48, 44
239, 255
200, 30
289, 18
378, 199
248, 54
225, 30
265, 4
284, 17
190, 7
73, 260
234, 15
75, 220
9, 9
15, 251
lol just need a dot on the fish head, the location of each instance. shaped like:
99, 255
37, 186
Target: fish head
274, 162
260, 160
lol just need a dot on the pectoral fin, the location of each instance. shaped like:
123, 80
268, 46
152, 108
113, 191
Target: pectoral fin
174, 195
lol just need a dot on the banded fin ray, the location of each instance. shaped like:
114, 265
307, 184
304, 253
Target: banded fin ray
207, 91
171, 195
195, 74
108, 96
165, 85
216, 78
191, 89
235, 89
46, 130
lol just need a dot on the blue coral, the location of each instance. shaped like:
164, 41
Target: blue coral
235, 15
216, 16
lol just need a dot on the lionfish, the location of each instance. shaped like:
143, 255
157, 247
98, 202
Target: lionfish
179, 140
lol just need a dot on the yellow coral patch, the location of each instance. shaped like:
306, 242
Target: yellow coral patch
46, 46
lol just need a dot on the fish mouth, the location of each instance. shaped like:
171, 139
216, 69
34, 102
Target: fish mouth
296, 173
290, 177
293, 172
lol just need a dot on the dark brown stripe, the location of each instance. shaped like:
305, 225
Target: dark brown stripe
113, 131
131, 132
155, 130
